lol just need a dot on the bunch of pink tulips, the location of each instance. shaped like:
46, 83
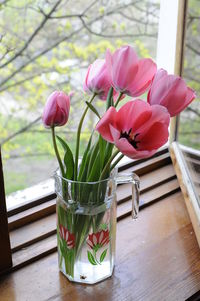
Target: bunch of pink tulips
136, 130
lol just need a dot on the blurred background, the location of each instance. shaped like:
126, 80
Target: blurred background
47, 46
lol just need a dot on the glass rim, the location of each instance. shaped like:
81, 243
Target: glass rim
80, 182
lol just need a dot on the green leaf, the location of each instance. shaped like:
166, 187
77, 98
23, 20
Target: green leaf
102, 148
91, 258
93, 109
103, 255
61, 214
108, 153
93, 157
109, 101
94, 170
85, 159
68, 159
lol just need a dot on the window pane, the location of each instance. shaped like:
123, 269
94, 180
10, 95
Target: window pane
189, 131
46, 46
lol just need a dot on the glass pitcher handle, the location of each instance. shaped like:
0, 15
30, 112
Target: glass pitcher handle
132, 178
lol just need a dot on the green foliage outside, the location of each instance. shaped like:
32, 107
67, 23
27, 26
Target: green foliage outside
47, 46
50, 48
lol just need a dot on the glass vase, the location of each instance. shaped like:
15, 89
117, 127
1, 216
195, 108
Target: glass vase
86, 225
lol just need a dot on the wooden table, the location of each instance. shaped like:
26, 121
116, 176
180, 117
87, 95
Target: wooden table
157, 256
157, 259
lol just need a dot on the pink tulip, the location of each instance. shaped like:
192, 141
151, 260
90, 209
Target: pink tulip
56, 111
129, 74
171, 92
137, 129
98, 79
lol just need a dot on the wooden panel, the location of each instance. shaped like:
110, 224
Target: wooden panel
32, 214
129, 163
5, 251
32, 204
151, 164
33, 232
34, 252
157, 259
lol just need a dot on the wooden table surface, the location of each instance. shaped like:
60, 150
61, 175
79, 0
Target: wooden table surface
157, 258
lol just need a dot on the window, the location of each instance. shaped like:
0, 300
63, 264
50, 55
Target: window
32, 223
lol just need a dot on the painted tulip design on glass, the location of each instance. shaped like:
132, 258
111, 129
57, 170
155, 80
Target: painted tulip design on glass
96, 241
68, 237
66, 245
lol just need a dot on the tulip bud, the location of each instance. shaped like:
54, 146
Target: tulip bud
98, 79
128, 74
171, 92
56, 111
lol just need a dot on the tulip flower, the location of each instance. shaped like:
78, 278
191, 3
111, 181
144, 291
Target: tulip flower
171, 92
67, 236
137, 129
98, 80
129, 75
56, 111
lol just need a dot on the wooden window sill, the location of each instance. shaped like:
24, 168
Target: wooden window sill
157, 256
157, 259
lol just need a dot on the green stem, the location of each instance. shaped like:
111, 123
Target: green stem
107, 166
78, 139
118, 99
56, 150
117, 161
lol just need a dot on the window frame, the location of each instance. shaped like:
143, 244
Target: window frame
6, 256
187, 187
179, 162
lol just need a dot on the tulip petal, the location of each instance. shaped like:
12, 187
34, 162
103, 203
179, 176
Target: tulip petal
49, 112
155, 137
127, 149
180, 106
159, 115
98, 79
132, 115
122, 144
142, 80
103, 125
122, 66
159, 76
85, 84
